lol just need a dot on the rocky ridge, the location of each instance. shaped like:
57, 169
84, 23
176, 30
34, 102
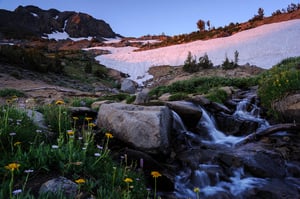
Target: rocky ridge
35, 22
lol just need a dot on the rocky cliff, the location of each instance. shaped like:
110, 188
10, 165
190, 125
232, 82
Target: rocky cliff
31, 21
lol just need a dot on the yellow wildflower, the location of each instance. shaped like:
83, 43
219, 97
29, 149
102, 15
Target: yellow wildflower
17, 143
91, 125
59, 102
155, 174
80, 181
75, 118
12, 166
88, 118
109, 135
70, 132
128, 180
196, 189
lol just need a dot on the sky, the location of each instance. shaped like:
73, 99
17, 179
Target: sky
170, 17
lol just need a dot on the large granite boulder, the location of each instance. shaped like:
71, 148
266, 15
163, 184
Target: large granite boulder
146, 128
289, 107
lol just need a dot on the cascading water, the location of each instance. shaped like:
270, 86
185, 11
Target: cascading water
207, 176
207, 123
251, 112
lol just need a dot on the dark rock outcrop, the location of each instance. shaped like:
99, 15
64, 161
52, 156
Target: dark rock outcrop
31, 21
289, 107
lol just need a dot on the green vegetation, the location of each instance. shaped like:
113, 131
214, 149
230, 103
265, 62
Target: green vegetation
191, 65
9, 92
202, 85
282, 79
78, 67
30, 58
27, 156
217, 95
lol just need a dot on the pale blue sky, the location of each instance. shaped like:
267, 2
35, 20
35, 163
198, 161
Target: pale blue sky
171, 17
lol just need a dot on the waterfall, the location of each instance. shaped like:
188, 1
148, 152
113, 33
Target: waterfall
207, 123
207, 176
234, 188
249, 111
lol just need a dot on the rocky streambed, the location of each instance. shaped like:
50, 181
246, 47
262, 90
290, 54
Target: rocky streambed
208, 150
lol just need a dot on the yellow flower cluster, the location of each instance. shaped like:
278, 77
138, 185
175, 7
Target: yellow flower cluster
155, 174
12, 166
80, 181
128, 180
59, 102
109, 135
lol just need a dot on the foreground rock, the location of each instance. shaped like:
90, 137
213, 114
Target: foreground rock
289, 107
58, 185
145, 128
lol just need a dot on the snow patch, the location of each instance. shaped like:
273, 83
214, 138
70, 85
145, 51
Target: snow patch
34, 14
263, 46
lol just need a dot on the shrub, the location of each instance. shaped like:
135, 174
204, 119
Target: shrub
178, 96
217, 95
204, 62
226, 65
190, 64
87, 102
280, 80
9, 92
203, 85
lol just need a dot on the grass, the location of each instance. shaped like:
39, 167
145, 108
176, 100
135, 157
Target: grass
203, 85
282, 79
27, 152
9, 92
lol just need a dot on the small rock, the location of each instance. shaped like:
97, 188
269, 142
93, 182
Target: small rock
60, 184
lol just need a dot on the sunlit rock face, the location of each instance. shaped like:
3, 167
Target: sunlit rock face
144, 127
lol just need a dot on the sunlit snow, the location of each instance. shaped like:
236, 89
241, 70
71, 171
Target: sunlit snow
263, 46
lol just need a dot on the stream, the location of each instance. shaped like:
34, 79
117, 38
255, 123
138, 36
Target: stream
225, 169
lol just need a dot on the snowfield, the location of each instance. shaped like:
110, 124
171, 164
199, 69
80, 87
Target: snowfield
263, 46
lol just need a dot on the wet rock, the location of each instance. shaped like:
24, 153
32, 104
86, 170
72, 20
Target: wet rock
189, 113
58, 185
144, 127
235, 126
278, 189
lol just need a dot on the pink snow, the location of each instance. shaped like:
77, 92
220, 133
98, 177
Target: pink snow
263, 46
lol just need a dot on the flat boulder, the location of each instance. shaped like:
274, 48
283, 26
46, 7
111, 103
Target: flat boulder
146, 128
189, 113
289, 107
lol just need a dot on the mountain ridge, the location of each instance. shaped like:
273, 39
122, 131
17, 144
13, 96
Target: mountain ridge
31, 21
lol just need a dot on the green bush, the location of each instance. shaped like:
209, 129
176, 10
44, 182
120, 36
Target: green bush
217, 95
9, 92
190, 64
30, 58
280, 80
178, 96
203, 85
86, 101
